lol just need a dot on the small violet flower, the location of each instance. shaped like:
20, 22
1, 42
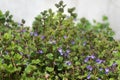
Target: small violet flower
84, 43
65, 37
114, 64
7, 52
86, 59
40, 51
101, 69
89, 76
42, 37
73, 42
60, 51
52, 42
67, 52
31, 33
35, 34
107, 70
92, 57
68, 63
99, 61
23, 31
89, 68
21, 53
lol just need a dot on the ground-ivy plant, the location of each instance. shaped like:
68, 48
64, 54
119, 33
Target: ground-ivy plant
58, 48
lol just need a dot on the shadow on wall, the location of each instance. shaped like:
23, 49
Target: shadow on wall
114, 16
91, 9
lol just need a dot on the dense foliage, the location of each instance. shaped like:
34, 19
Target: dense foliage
58, 48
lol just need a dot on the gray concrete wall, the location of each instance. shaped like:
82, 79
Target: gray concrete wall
91, 9
113, 13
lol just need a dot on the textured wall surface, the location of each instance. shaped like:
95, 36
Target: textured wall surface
114, 16
91, 9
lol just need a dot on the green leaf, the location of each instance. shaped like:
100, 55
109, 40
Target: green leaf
37, 61
50, 56
20, 49
17, 56
2, 18
61, 2
7, 36
60, 59
30, 68
7, 57
77, 63
60, 67
1, 13
49, 69
111, 79
118, 62
75, 58
7, 13
11, 68
105, 18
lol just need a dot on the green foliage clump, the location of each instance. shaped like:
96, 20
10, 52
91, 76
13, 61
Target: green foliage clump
57, 48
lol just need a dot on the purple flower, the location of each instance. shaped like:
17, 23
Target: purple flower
23, 30
42, 37
107, 70
68, 51
89, 67
86, 59
84, 43
68, 63
99, 61
101, 69
65, 36
60, 51
7, 52
89, 76
31, 33
21, 53
114, 64
52, 42
73, 42
66, 54
40, 51
35, 34
92, 56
